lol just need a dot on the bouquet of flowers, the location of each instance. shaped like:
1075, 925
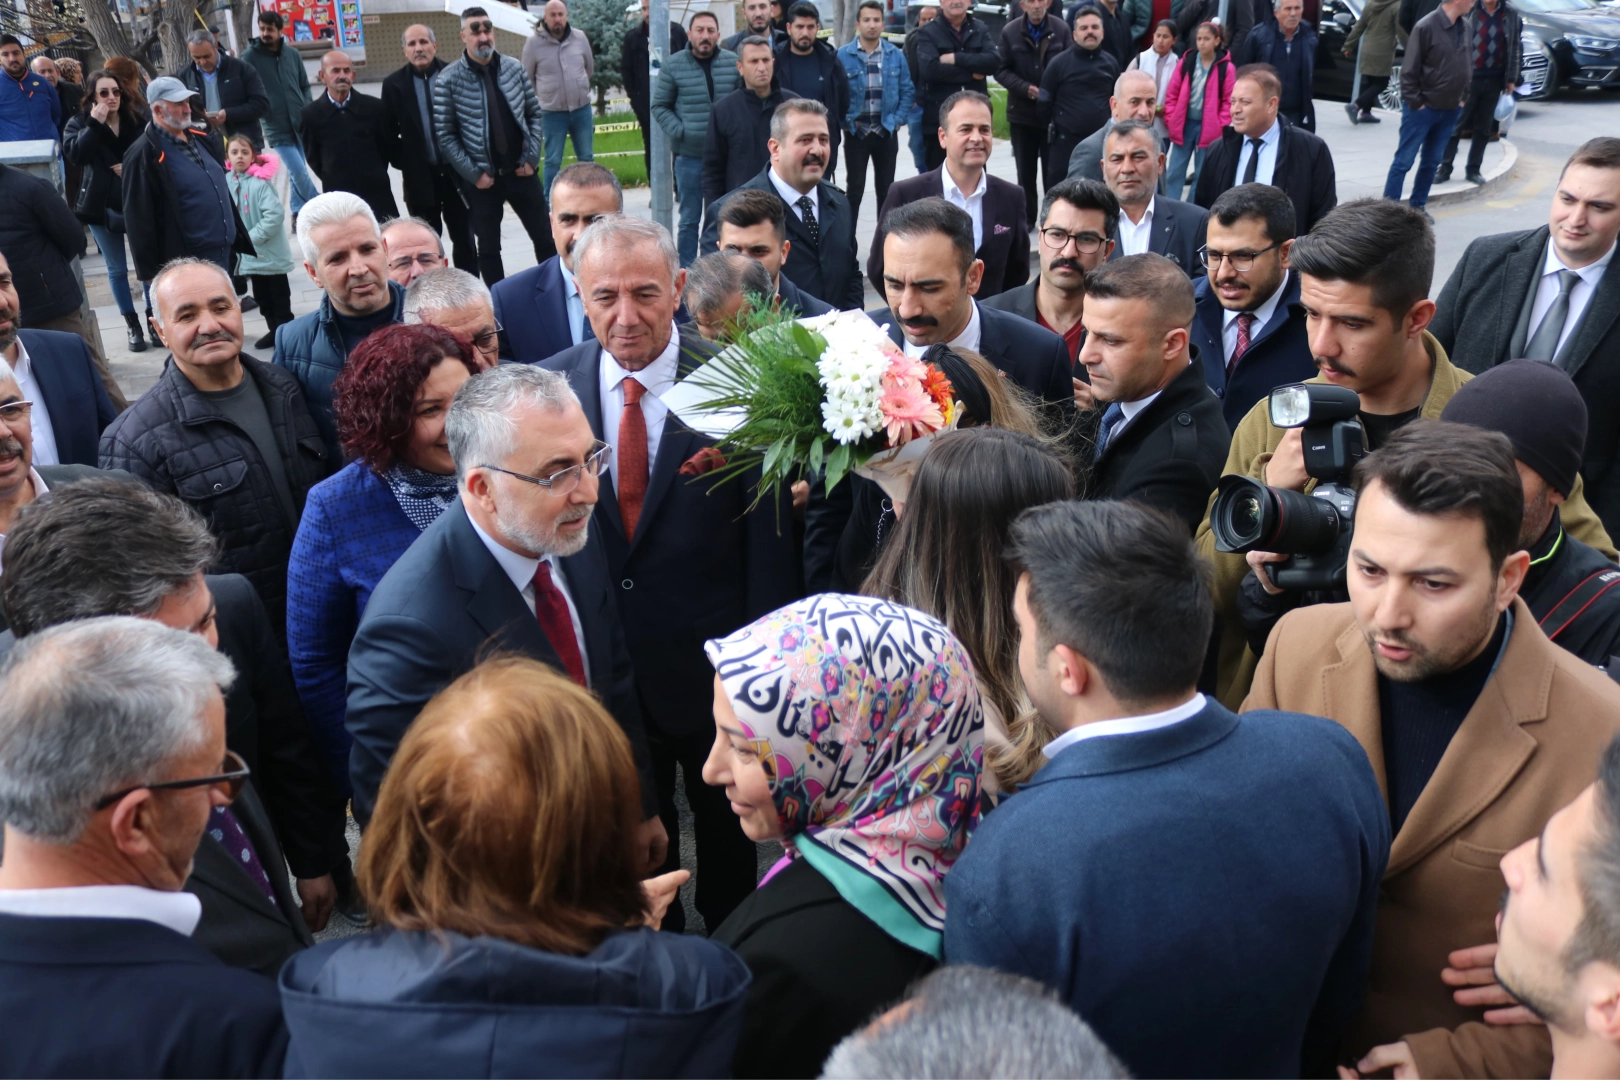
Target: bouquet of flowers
828, 395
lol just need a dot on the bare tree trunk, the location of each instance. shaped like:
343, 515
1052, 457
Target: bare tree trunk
844, 12
109, 34
176, 19
245, 13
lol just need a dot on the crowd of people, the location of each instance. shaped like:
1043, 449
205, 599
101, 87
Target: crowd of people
1232, 692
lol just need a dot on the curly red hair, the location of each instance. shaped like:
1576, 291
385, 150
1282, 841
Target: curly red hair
375, 396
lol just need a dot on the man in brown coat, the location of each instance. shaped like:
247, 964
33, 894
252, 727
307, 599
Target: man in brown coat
1478, 728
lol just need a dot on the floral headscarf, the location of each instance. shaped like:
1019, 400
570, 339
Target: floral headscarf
867, 718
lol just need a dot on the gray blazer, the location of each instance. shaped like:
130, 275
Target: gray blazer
1086, 161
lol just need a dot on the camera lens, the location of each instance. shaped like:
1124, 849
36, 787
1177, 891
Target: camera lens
1249, 516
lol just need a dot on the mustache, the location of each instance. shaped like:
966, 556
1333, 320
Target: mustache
217, 335
1064, 263
10, 447
919, 322
815, 159
1334, 366
568, 517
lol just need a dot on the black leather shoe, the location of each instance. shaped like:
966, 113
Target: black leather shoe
1442, 174
1474, 177
248, 303
132, 323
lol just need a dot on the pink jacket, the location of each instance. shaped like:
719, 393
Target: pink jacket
1217, 93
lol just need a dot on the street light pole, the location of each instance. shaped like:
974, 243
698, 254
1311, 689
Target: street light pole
659, 179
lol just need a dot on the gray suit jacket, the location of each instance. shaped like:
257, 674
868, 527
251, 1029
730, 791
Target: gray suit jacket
1086, 161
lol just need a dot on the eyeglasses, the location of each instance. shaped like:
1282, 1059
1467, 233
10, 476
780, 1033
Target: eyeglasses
427, 261
489, 340
481, 27
15, 412
1241, 261
234, 776
1086, 243
566, 480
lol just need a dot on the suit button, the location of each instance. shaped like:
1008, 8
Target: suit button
1221, 392
1184, 419
627, 584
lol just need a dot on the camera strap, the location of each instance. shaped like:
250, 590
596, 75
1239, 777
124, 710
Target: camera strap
1577, 601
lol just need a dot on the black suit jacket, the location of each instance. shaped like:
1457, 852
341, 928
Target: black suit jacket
1477, 320
794, 297
74, 395
409, 139
1030, 355
1279, 350
241, 95
1004, 249
1178, 233
350, 149
827, 269
1304, 171
532, 306
437, 609
1170, 455
700, 565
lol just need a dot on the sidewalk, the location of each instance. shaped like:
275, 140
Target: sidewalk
1361, 155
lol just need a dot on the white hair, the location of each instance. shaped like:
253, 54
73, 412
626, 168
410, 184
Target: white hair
91, 706
618, 230
404, 35
173, 266
441, 290
481, 425
330, 208
413, 220
1134, 73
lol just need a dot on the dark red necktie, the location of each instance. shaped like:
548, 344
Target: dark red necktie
551, 608
632, 457
1245, 323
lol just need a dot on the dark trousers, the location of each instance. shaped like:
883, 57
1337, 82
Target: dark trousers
1028, 147
881, 149
727, 861
1479, 117
643, 117
1298, 118
448, 213
1371, 87
274, 294
933, 153
528, 198
1059, 149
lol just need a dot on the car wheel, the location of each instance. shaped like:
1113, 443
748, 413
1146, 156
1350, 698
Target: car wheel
1390, 98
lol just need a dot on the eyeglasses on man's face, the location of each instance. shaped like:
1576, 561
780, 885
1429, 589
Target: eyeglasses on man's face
13, 413
1241, 261
427, 260
1086, 243
564, 481
233, 775
490, 340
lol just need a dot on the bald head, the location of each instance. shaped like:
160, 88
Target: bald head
337, 72
556, 17
45, 68
1135, 95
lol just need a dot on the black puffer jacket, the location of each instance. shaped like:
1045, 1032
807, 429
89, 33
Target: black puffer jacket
94, 146
40, 237
179, 442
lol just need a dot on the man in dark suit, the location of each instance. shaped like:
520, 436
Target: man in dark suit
57, 373
1249, 329
230, 95
513, 566
540, 309
675, 543
754, 223
1553, 294
1000, 220
1186, 850
1132, 164
822, 259
430, 185
1161, 439
348, 138
1263, 147
930, 275
91, 907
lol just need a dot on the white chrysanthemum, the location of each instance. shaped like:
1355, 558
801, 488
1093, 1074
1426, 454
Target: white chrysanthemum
846, 422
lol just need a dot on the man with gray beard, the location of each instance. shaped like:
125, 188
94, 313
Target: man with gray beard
513, 567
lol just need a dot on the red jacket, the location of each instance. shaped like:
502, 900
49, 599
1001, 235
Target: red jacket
1217, 93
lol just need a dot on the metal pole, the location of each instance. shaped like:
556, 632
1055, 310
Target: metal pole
663, 194
1221, 15
1355, 84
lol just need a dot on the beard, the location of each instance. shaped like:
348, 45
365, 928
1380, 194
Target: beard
547, 541
1427, 661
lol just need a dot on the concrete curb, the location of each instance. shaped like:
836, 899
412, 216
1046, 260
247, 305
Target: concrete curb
1453, 191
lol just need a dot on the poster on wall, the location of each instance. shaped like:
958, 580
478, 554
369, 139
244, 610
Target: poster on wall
318, 25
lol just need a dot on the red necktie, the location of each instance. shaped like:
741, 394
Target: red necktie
1245, 323
551, 608
632, 455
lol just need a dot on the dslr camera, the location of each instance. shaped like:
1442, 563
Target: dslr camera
1314, 529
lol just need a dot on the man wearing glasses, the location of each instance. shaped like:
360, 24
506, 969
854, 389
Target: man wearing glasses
413, 248
97, 850
512, 566
1249, 328
460, 303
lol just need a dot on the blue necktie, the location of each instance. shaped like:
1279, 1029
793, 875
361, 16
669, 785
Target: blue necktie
1105, 430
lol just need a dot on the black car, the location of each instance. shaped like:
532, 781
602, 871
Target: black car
1566, 43
902, 16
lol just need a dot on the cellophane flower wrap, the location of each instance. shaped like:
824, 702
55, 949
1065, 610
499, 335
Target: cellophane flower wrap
817, 397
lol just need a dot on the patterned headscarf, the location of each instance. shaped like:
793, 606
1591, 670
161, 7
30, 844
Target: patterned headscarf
867, 719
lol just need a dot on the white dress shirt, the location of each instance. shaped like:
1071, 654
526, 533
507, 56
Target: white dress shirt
179, 911
655, 379
1134, 238
1126, 725
45, 452
1268, 156
973, 204
1262, 316
791, 197
39, 489
575, 304
967, 339
1546, 293
520, 568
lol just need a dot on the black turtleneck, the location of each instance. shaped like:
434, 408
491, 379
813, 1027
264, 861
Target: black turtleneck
1420, 718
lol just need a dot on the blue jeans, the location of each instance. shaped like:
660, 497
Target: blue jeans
303, 188
112, 249
555, 126
689, 191
1428, 130
1176, 175
914, 129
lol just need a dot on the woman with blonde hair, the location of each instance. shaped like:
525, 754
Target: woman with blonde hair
515, 938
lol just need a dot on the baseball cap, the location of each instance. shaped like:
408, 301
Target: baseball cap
168, 88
